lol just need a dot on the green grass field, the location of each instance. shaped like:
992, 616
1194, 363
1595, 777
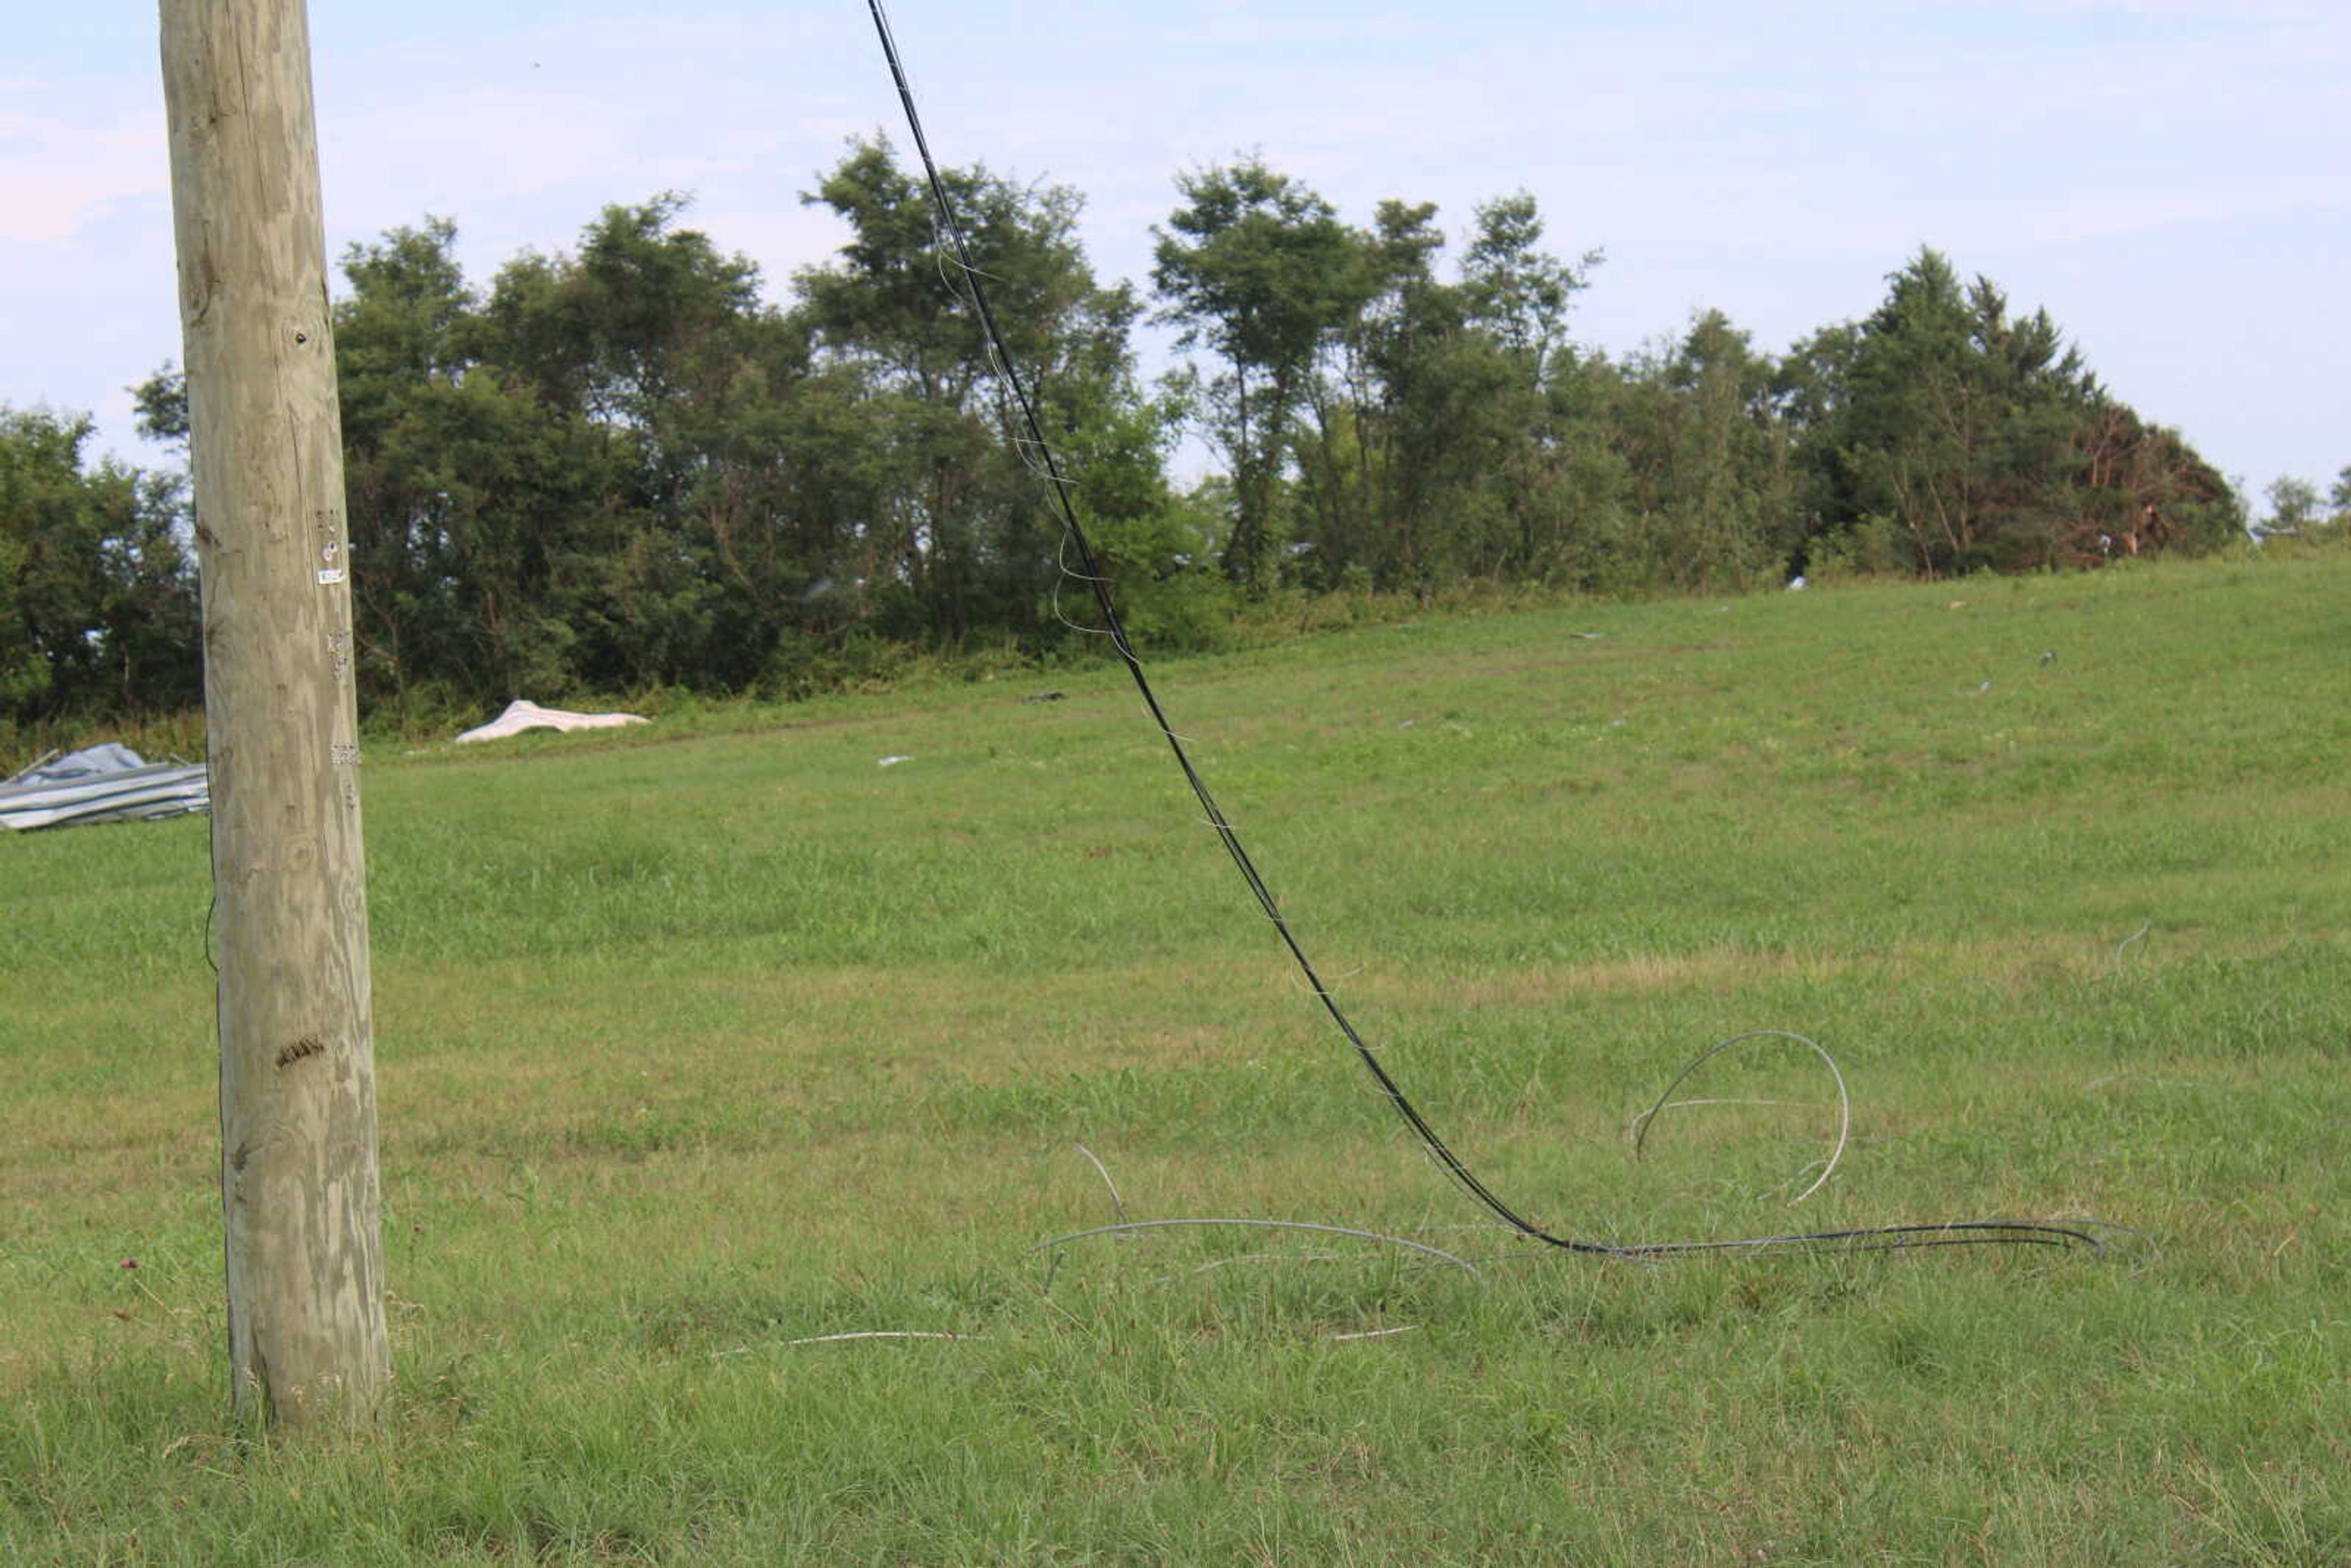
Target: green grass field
694, 1045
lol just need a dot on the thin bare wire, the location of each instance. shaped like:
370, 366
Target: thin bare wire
1292, 975
1633, 1125
1061, 560
1642, 1123
1117, 1204
1245, 1259
1064, 619
1132, 1226
876, 1334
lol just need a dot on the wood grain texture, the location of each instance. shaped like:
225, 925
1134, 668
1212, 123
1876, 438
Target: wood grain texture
304, 1249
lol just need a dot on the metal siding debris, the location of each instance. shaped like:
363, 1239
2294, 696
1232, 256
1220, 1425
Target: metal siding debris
106, 783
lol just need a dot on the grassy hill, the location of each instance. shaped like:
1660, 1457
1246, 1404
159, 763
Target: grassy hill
693, 1046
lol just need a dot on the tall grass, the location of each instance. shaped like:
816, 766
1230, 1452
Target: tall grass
705, 1039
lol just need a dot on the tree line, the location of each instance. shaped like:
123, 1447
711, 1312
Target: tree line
623, 467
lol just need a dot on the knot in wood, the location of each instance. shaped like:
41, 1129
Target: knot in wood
309, 1045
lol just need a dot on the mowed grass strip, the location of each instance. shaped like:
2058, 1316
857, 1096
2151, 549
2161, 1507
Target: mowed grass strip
693, 1047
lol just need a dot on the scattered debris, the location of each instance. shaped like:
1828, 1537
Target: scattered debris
1047, 697
107, 783
106, 757
1797, 584
1588, 636
2048, 655
522, 713
893, 761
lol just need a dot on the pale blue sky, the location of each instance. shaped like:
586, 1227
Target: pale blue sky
2172, 178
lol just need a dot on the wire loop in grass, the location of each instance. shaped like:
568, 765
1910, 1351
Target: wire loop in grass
1642, 1123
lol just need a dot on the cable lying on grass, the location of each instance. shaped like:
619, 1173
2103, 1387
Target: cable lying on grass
956, 261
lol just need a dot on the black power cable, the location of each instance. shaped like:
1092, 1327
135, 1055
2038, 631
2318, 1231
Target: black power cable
1977, 1231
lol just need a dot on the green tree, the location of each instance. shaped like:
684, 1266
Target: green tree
1257, 269
2295, 505
159, 407
1517, 291
1527, 474
2141, 487
41, 481
1957, 419
1431, 429
464, 483
621, 466
98, 608
1710, 459
954, 532
1979, 439
1363, 495
663, 362
1452, 394
591, 474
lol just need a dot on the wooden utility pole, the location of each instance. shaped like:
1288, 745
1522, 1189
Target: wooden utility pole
305, 1250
